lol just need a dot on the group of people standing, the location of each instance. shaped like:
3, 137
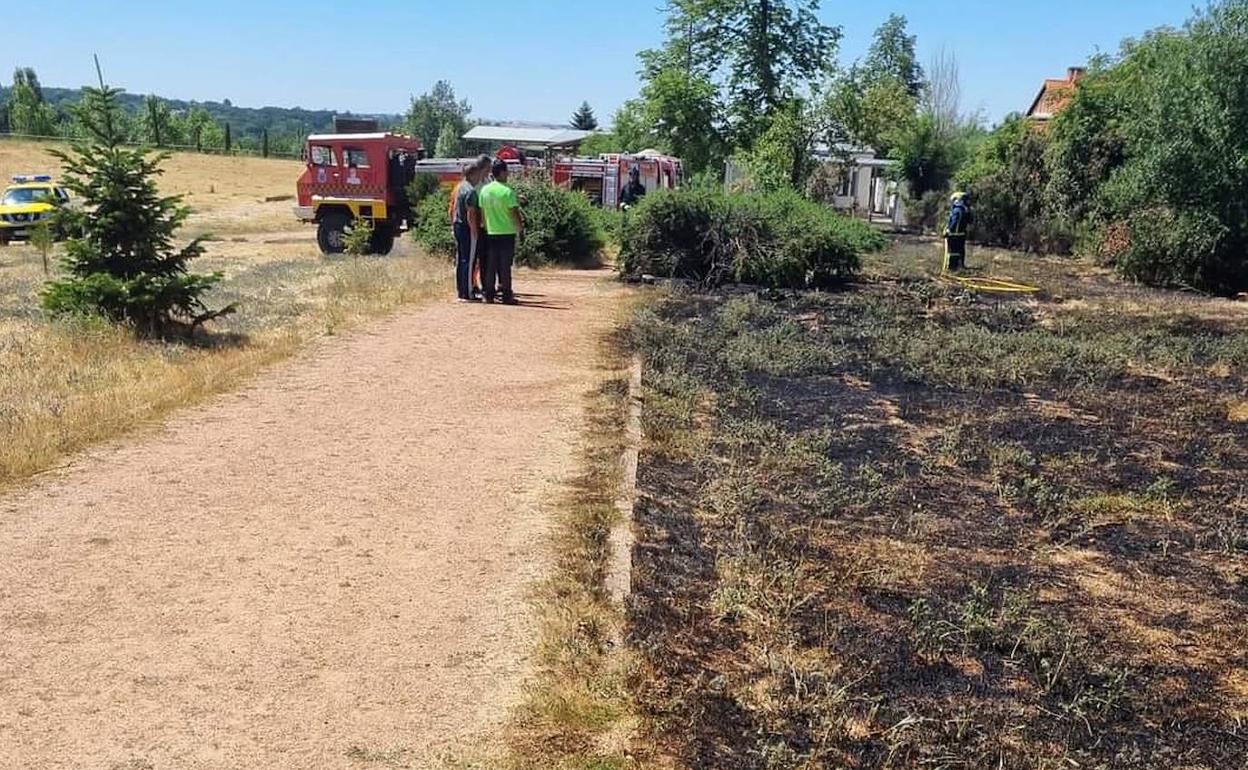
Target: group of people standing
487, 222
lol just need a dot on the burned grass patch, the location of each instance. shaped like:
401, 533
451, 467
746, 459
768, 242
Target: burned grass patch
904, 527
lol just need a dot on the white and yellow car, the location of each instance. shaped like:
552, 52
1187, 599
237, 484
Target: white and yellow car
25, 203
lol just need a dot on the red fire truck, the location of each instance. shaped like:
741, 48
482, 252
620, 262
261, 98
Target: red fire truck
604, 177
364, 177
354, 177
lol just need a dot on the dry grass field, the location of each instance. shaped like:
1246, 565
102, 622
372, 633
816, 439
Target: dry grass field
65, 384
227, 195
904, 526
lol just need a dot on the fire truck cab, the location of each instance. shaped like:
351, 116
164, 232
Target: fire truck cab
357, 177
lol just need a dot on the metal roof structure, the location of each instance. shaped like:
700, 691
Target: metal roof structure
528, 136
345, 137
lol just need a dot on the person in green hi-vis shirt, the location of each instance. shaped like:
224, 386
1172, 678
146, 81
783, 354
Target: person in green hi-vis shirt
504, 224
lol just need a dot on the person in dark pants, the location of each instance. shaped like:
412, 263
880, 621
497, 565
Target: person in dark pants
466, 225
960, 219
504, 224
634, 191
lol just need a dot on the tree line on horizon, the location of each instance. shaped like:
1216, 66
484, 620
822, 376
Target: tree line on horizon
27, 107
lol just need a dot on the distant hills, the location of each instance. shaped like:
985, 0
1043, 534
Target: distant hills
286, 125
245, 122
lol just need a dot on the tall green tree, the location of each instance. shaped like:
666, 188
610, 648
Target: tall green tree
583, 119
775, 49
888, 113
887, 85
195, 127
28, 112
26, 77
124, 265
157, 122
430, 112
759, 54
783, 157
693, 28
892, 57
632, 128
449, 142
680, 112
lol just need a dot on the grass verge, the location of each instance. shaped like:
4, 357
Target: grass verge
578, 713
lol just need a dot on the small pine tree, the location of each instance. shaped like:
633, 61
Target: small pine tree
43, 239
583, 119
359, 239
227, 139
124, 266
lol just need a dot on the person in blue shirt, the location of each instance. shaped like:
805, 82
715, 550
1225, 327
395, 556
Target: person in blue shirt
960, 220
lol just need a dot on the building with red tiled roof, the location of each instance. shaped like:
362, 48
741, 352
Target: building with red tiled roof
1055, 95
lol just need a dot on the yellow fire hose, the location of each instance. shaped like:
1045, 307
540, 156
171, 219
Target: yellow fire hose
994, 285
984, 284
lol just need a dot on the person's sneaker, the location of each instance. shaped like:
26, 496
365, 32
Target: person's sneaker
489, 300
510, 301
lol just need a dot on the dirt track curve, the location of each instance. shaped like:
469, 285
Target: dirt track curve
327, 567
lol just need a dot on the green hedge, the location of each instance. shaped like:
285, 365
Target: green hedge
432, 229
561, 226
778, 239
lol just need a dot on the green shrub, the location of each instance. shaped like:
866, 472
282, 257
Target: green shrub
1177, 123
432, 228
610, 223
929, 212
779, 239
1007, 181
1176, 249
422, 186
359, 238
560, 225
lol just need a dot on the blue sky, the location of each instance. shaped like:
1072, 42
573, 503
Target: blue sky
371, 56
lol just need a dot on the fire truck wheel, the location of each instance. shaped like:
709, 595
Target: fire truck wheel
383, 240
331, 233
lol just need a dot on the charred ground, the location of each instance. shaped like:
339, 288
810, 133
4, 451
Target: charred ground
906, 526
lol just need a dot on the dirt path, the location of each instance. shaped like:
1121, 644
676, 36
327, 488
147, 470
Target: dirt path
327, 568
